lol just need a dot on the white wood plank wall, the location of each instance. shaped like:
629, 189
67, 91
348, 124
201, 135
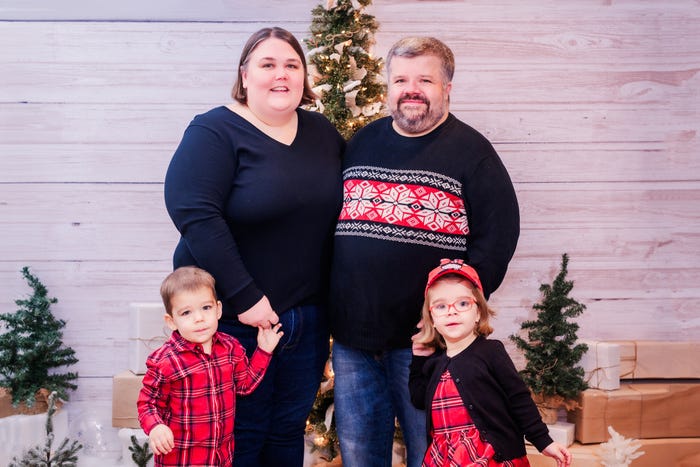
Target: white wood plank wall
593, 106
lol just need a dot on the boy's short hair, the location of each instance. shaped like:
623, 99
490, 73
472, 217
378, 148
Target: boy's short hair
185, 279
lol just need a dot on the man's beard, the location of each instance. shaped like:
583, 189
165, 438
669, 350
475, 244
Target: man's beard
417, 122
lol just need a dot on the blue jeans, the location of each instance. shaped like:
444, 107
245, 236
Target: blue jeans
371, 391
270, 422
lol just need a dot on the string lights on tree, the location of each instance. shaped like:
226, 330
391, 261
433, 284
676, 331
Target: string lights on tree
342, 71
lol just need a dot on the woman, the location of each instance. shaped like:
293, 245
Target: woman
254, 189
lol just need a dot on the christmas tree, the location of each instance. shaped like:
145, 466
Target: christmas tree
66, 455
341, 67
323, 436
551, 350
31, 348
351, 88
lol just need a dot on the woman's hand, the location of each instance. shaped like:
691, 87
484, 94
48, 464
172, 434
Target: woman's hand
260, 315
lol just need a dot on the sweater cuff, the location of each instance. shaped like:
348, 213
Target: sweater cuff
245, 298
541, 442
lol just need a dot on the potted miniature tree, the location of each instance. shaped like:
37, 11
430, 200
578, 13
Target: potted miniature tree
46, 454
551, 350
31, 351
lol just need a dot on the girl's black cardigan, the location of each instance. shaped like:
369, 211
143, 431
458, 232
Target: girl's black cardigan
493, 392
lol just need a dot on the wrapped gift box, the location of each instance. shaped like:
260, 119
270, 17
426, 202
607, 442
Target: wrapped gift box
659, 359
601, 364
147, 332
671, 452
561, 432
638, 410
125, 392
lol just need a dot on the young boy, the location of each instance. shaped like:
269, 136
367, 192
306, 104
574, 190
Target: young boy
187, 402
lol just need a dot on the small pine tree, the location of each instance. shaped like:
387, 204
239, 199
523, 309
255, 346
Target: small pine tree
44, 456
31, 348
341, 67
140, 454
551, 350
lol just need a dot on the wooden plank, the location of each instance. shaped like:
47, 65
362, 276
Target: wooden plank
219, 45
397, 11
150, 43
594, 205
163, 123
598, 280
158, 10
602, 205
605, 41
31, 162
653, 246
648, 86
600, 162
623, 221
136, 163
610, 320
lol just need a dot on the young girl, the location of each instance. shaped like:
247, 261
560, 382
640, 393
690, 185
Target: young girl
480, 408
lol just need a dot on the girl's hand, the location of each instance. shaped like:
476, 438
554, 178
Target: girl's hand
260, 315
269, 338
161, 439
558, 452
418, 348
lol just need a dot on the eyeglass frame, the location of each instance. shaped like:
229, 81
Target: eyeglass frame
472, 304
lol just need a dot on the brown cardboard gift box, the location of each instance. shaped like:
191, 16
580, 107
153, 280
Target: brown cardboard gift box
125, 392
665, 409
658, 359
673, 452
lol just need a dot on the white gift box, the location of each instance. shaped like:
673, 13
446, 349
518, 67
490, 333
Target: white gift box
601, 364
561, 432
147, 332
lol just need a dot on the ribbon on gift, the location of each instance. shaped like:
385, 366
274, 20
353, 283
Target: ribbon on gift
601, 364
154, 342
626, 358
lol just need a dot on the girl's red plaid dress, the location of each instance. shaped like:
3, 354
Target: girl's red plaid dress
455, 440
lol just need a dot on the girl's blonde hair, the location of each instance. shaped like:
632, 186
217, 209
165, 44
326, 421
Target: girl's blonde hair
430, 337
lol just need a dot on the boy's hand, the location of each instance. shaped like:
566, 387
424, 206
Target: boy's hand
161, 439
268, 338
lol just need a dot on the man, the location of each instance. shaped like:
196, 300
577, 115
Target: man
419, 186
